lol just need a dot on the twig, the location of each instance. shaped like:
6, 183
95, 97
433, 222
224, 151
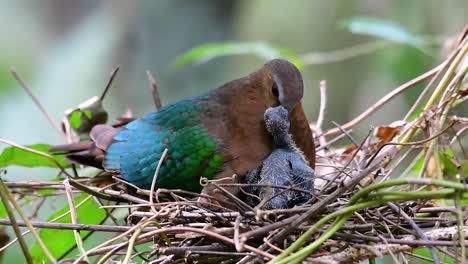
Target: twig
109, 82
419, 142
385, 100
74, 218
416, 228
65, 226
179, 229
38, 103
154, 90
132, 241
323, 104
14, 224
239, 244
155, 177
321, 116
20, 211
360, 252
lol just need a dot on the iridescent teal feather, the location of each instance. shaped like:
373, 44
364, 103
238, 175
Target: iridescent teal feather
192, 152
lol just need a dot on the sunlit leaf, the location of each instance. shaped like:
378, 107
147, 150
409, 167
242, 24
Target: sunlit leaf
380, 28
206, 52
60, 241
16, 156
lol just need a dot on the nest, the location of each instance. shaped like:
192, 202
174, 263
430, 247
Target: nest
399, 189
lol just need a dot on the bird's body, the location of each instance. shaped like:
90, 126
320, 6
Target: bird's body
286, 167
214, 135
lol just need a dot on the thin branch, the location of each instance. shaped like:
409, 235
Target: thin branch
323, 104
13, 222
155, 177
109, 82
38, 103
154, 90
74, 217
416, 228
385, 100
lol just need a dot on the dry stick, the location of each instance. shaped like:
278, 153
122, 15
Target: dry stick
348, 162
333, 140
13, 222
323, 104
89, 252
238, 202
37, 102
416, 228
51, 158
323, 108
74, 217
178, 229
38, 224
154, 90
356, 253
64, 226
97, 193
239, 244
155, 177
109, 82
181, 251
20, 211
385, 100
419, 142
348, 134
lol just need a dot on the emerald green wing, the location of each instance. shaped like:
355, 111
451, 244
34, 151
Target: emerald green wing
192, 152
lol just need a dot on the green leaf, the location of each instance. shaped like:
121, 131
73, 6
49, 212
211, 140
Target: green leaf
424, 252
74, 117
206, 52
16, 156
380, 28
60, 241
88, 114
3, 213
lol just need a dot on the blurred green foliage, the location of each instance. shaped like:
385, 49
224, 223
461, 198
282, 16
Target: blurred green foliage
207, 52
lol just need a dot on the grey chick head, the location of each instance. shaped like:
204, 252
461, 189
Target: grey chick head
276, 120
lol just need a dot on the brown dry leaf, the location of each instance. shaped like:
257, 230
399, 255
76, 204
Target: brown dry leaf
386, 133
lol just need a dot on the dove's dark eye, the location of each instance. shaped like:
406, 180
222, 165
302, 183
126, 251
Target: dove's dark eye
274, 90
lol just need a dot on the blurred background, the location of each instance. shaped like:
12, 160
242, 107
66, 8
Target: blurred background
65, 51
